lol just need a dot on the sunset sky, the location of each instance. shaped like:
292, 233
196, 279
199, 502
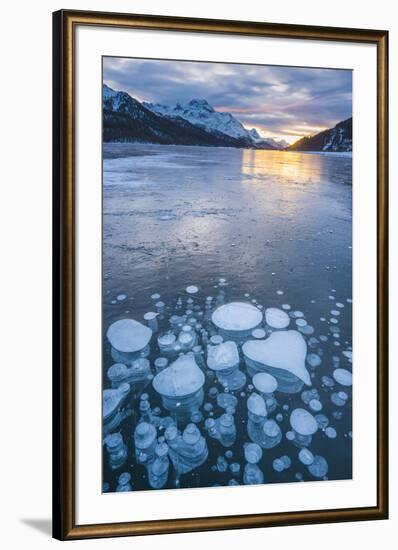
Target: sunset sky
280, 102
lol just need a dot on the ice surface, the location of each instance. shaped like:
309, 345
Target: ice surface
128, 335
276, 318
283, 350
303, 422
237, 316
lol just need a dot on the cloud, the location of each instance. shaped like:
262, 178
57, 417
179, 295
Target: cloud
280, 101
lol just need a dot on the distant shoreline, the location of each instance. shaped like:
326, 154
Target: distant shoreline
337, 153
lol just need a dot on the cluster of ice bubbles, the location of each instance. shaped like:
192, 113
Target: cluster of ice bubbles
199, 372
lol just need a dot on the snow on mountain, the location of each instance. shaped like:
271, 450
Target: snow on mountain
196, 122
277, 144
200, 113
337, 139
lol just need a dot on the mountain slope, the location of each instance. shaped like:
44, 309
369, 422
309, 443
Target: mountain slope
126, 119
335, 139
200, 113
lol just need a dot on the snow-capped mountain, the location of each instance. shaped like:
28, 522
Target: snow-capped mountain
125, 119
201, 113
335, 139
195, 123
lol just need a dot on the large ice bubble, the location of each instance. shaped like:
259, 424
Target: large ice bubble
283, 356
303, 422
182, 378
127, 337
237, 317
343, 377
222, 356
276, 318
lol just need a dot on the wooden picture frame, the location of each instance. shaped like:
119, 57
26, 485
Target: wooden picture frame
64, 296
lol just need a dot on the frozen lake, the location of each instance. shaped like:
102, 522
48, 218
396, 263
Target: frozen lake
276, 225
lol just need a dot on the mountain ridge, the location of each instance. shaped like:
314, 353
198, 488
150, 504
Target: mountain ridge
336, 139
127, 119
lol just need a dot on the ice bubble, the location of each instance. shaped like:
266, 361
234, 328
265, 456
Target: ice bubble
222, 356
116, 449
339, 399
155, 296
327, 381
276, 318
286, 461
296, 314
192, 289
282, 355
280, 292
237, 317
305, 456
258, 333
301, 322
319, 467
128, 335
278, 465
272, 433
235, 468
226, 400
343, 377
264, 382
303, 422
256, 405
182, 378
286, 306
166, 341
290, 435
222, 464
313, 360
322, 421
253, 453
150, 318
216, 339
253, 475
121, 297
307, 330
150, 315
330, 432
315, 405
339, 304
307, 395
347, 354
113, 398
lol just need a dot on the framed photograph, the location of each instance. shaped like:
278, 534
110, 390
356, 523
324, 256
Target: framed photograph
220, 274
